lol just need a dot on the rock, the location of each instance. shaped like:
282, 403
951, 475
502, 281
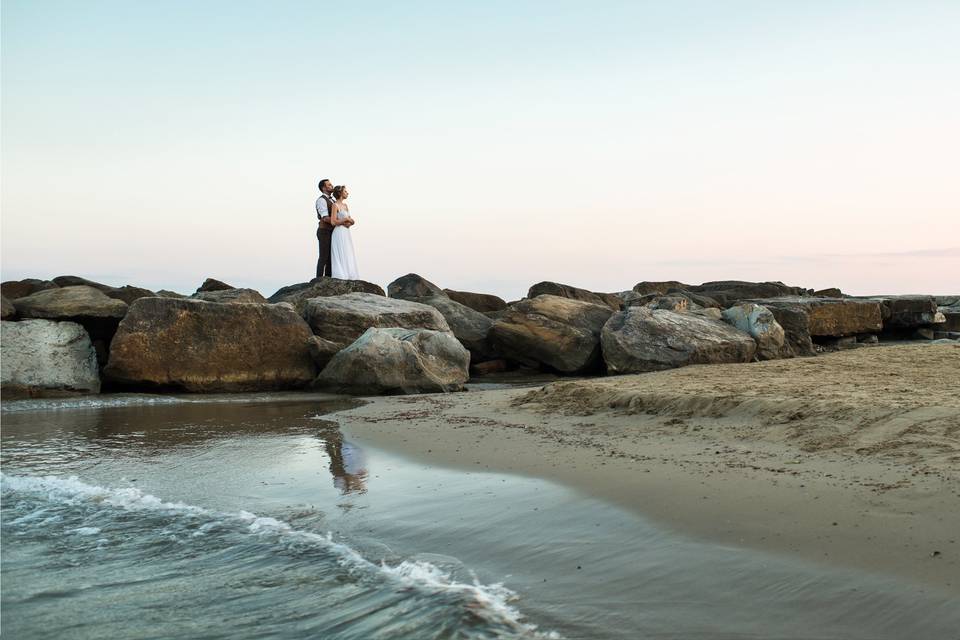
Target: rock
640, 339
946, 335
868, 338
231, 296
727, 292
831, 317
205, 347
696, 298
322, 351
660, 288
670, 303
411, 287
762, 326
610, 300
70, 303
924, 333
796, 330
214, 285
906, 312
298, 294
951, 318
13, 289
488, 367
711, 313
832, 292
77, 281
46, 358
838, 344
342, 319
387, 361
482, 302
470, 327
9, 311
552, 331
164, 293
128, 293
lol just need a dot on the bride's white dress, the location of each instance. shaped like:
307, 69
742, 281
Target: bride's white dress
342, 257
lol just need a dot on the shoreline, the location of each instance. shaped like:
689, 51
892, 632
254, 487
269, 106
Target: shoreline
858, 476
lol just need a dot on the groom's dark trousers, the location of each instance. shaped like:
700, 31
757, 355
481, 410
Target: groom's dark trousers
324, 262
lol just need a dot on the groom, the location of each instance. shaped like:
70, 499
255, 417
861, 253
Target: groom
325, 228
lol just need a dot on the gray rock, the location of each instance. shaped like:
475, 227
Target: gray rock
868, 338
670, 303
412, 287
231, 296
70, 303
46, 358
207, 347
77, 281
661, 288
165, 293
322, 351
298, 294
728, 292
639, 339
13, 289
482, 302
211, 284
554, 332
711, 313
951, 318
470, 327
762, 326
9, 311
610, 300
387, 361
923, 333
343, 319
128, 293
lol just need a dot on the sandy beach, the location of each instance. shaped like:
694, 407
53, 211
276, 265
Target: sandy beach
850, 459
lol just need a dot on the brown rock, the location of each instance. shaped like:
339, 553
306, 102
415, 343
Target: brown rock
129, 293
9, 311
77, 281
727, 292
206, 347
70, 303
231, 296
832, 292
482, 302
906, 312
412, 287
830, 317
298, 294
488, 367
661, 288
214, 285
13, 289
611, 300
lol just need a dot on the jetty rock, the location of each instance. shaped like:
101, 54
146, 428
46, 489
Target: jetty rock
298, 294
13, 289
412, 287
127, 293
611, 300
762, 326
728, 292
830, 317
212, 284
482, 302
70, 303
906, 312
46, 358
553, 332
231, 296
639, 339
9, 311
661, 288
344, 318
394, 360
201, 346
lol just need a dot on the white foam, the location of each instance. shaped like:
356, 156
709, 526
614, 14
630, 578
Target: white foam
490, 602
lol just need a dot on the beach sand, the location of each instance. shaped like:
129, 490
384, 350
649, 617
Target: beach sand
849, 459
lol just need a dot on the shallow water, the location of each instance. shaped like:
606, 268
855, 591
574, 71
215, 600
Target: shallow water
254, 517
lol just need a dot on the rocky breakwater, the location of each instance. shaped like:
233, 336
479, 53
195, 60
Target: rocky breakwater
46, 358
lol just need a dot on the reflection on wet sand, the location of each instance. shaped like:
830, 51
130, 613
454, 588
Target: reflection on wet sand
347, 462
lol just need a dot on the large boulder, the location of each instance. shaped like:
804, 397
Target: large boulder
470, 327
393, 360
46, 358
796, 329
13, 289
482, 302
298, 294
906, 312
554, 332
611, 300
762, 326
9, 311
231, 296
727, 292
207, 347
129, 293
70, 303
951, 318
77, 281
661, 288
640, 339
212, 284
831, 317
166, 293
343, 319
412, 287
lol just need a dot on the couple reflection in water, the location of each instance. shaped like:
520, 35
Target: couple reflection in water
347, 463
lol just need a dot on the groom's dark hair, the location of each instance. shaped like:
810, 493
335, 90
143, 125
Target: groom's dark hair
320, 184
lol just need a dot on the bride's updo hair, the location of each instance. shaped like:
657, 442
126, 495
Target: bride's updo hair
338, 190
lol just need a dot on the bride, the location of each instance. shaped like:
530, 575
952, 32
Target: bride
341, 245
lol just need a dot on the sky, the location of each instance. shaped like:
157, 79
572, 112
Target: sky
487, 145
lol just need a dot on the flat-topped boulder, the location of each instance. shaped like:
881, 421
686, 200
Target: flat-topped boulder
727, 292
393, 360
412, 287
552, 332
482, 302
298, 294
70, 303
9, 311
203, 347
231, 296
344, 318
77, 281
762, 326
660, 288
831, 317
639, 339
906, 312
13, 289
611, 300
42, 358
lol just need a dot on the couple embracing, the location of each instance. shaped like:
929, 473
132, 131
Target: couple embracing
337, 259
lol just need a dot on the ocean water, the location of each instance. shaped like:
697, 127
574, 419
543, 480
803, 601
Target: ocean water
254, 517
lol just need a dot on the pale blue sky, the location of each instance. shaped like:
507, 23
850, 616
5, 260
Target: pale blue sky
487, 145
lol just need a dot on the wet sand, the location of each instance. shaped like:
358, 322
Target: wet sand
849, 459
